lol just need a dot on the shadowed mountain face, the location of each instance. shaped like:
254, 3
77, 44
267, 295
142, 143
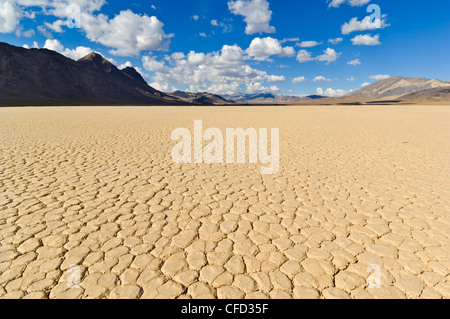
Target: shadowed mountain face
38, 77
441, 94
396, 87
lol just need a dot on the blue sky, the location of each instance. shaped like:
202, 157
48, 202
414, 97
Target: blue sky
225, 46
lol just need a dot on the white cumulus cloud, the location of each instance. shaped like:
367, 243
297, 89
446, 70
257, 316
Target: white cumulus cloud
304, 56
256, 14
10, 15
75, 54
321, 78
354, 62
335, 41
225, 71
127, 33
331, 92
380, 77
329, 55
366, 39
290, 40
262, 49
364, 25
308, 44
56, 26
353, 3
299, 79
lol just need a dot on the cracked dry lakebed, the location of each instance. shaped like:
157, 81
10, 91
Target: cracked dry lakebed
93, 206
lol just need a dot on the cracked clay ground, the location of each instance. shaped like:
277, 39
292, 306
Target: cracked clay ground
96, 188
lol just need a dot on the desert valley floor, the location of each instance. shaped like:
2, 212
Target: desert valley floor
95, 188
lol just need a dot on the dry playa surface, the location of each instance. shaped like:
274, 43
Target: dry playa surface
96, 188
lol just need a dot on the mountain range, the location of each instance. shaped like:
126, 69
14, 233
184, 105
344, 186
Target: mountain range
394, 90
40, 77
268, 98
200, 98
398, 87
43, 77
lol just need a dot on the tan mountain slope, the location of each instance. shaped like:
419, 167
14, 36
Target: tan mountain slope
396, 87
436, 95
393, 91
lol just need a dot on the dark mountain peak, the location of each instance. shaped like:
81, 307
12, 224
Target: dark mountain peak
45, 77
97, 61
264, 95
130, 69
94, 57
315, 97
4, 45
133, 74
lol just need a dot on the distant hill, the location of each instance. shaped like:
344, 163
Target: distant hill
39, 77
242, 97
396, 87
268, 98
200, 98
314, 97
441, 94
395, 90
